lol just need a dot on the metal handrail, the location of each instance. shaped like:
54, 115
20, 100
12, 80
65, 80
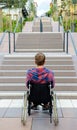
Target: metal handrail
41, 28
16, 26
73, 42
61, 22
72, 39
9, 41
2, 38
18, 21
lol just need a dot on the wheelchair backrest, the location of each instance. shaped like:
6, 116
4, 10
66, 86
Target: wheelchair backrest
40, 93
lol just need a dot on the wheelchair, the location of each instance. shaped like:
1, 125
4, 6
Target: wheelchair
43, 94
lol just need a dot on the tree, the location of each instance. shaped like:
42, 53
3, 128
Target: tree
32, 8
74, 1
14, 3
53, 9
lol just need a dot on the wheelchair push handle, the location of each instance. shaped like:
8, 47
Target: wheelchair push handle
29, 87
51, 88
51, 85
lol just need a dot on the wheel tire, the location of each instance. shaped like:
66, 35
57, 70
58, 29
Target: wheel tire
56, 122
29, 110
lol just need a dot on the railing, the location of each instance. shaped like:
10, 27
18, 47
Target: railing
19, 21
73, 42
9, 39
66, 36
9, 33
41, 27
17, 24
61, 24
9, 36
3, 36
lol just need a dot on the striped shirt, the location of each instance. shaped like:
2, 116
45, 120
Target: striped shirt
40, 75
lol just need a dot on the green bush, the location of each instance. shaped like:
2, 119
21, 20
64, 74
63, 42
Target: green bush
10, 25
68, 25
6, 23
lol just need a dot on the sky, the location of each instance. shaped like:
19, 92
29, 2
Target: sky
43, 6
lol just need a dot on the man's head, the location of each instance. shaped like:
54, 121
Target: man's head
40, 59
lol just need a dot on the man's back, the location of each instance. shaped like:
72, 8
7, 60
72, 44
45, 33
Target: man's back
40, 75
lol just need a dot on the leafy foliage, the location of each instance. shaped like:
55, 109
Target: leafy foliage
15, 3
52, 10
68, 25
74, 1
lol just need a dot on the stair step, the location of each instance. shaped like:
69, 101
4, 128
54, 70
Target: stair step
66, 79
33, 41
24, 67
21, 79
21, 87
31, 55
12, 87
32, 58
23, 72
66, 95
66, 87
12, 94
39, 50
21, 62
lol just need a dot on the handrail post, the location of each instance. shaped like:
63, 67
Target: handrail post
64, 42
21, 24
67, 42
14, 40
73, 42
9, 42
41, 28
59, 24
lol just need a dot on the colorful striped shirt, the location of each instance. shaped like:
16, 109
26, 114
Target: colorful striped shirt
40, 75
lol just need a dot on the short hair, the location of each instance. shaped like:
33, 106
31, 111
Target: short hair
40, 58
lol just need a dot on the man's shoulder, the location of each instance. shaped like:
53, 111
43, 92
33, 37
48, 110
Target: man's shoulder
49, 70
30, 70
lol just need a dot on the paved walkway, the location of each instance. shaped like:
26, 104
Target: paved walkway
10, 113
10, 110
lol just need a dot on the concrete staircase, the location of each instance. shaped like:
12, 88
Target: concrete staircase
46, 24
36, 25
13, 67
43, 24
13, 71
39, 41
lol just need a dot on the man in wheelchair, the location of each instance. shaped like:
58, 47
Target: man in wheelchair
38, 80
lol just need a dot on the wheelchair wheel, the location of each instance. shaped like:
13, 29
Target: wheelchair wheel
50, 117
55, 117
29, 109
23, 120
50, 111
24, 110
